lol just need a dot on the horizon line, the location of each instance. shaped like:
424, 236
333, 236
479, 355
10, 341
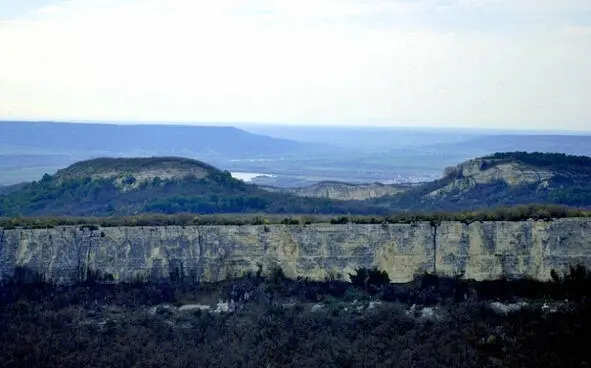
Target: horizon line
289, 125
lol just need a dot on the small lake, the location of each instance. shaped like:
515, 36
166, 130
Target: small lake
248, 176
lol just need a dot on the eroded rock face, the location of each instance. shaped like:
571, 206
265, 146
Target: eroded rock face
480, 250
486, 171
345, 191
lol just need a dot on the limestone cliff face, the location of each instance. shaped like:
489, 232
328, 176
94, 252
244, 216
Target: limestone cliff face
486, 171
481, 250
344, 191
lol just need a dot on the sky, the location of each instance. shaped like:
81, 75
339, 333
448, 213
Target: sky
509, 64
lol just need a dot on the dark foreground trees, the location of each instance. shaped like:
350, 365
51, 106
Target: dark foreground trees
370, 279
278, 323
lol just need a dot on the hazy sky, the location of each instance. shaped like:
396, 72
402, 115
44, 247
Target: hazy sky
497, 63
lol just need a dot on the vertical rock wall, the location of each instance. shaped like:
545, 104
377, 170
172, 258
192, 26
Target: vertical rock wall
480, 250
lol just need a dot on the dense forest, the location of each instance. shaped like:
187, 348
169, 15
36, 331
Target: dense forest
216, 193
268, 320
557, 161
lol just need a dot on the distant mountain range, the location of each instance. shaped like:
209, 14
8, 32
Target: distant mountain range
548, 143
29, 149
111, 139
394, 138
292, 156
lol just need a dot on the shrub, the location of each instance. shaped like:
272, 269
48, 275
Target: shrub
277, 276
575, 285
339, 220
369, 279
290, 221
89, 227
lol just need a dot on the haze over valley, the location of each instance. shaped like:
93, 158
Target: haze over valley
289, 157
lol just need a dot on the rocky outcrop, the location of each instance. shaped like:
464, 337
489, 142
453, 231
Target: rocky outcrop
480, 250
487, 171
344, 191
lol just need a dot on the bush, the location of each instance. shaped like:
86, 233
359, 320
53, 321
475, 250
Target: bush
290, 221
89, 227
340, 220
574, 285
369, 279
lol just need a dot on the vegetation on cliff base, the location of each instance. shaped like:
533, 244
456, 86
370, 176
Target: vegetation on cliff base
371, 280
514, 213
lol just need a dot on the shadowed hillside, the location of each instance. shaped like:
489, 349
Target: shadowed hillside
503, 179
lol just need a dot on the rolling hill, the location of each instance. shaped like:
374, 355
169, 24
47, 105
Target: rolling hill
153, 140
502, 179
124, 186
